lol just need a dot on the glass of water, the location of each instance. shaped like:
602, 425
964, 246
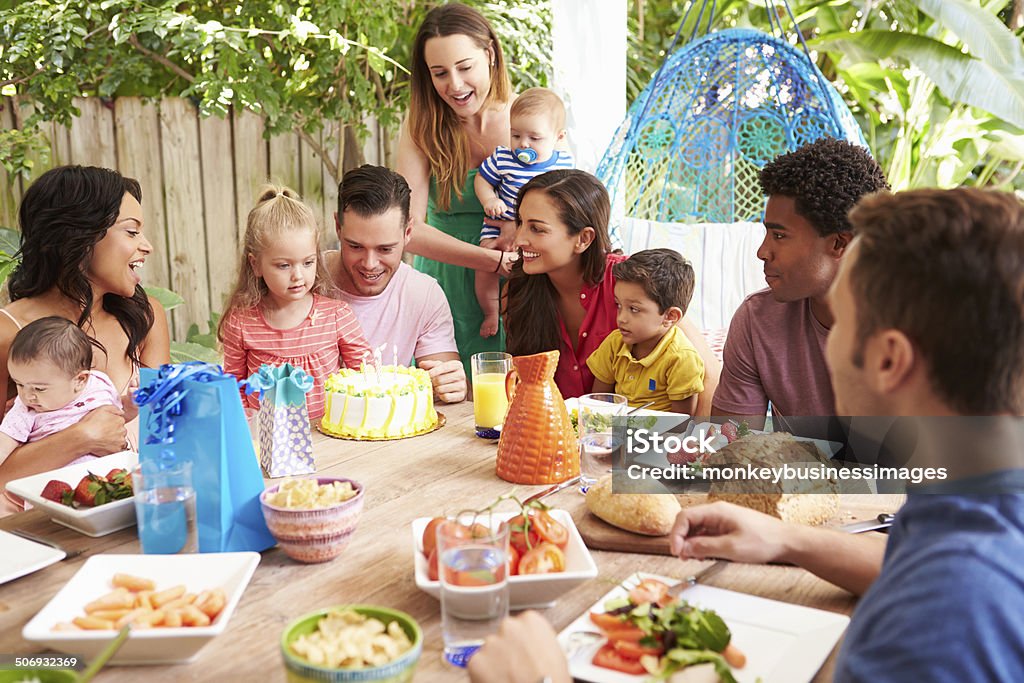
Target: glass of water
165, 505
596, 412
473, 568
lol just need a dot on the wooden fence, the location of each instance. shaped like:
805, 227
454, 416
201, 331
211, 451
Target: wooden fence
199, 178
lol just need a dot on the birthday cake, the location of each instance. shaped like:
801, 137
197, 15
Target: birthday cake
386, 403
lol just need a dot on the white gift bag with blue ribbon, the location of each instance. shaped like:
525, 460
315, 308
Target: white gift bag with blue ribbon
282, 425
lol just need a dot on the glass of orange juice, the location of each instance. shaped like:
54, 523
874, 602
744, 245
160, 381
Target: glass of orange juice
489, 399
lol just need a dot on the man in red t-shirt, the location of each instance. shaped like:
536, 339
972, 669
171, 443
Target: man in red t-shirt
775, 349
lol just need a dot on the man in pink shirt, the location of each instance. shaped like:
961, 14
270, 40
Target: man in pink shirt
775, 350
397, 306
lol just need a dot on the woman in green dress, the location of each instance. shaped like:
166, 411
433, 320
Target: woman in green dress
460, 96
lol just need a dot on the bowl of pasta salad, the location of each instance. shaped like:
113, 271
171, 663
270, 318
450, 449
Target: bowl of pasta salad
352, 643
313, 520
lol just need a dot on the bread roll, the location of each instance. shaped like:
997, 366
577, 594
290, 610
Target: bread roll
802, 502
641, 513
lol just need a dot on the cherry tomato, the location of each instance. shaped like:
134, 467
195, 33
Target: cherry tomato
547, 558
608, 622
430, 535
518, 537
631, 650
479, 531
549, 528
649, 590
624, 631
479, 577
513, 560
609, 658
432, 573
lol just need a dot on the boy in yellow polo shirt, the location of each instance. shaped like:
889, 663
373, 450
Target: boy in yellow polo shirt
649, 358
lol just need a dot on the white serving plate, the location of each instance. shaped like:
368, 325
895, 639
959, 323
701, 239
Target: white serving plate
573, 406
525, 591
97, 521
783, 643
20, 556
228, 571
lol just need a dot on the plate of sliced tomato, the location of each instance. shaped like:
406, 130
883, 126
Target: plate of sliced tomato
547, 556
735, 637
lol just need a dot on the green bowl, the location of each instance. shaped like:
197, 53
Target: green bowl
41, 675
397, 671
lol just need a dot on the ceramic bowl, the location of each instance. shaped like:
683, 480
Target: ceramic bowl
318, 535
398, 671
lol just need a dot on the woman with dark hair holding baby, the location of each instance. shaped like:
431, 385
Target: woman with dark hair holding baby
82, 246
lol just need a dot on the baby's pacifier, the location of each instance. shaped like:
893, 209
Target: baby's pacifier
526, 155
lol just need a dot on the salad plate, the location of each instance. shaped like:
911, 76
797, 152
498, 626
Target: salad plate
783, 643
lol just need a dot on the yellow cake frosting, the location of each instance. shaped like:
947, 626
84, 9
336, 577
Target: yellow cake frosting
396, 401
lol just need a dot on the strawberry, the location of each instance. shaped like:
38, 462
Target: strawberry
55, 490
91, 491
681, 457
730, 432
121, 479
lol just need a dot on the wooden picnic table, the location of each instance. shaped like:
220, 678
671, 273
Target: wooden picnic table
425, 476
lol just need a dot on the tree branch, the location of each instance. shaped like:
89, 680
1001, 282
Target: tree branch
315, 145
16, 81
160, 59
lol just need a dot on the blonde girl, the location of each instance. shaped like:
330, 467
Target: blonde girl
280, 311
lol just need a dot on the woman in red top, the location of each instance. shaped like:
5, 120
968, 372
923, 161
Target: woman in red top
560, 295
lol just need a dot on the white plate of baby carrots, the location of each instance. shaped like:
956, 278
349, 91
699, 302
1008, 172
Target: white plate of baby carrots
176, 604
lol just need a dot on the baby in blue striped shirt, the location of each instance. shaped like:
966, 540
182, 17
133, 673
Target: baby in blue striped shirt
537, 120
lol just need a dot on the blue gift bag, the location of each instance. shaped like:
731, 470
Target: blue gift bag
193, 412
286, 444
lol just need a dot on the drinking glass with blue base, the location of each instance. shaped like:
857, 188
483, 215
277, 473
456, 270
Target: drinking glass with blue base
597, 443
473, 569
165, 505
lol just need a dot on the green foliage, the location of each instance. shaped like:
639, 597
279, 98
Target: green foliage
299, 64
168, 299
209, 338
937, 85
10, 243
182, 352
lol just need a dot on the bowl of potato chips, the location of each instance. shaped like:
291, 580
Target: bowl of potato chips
313, 519
352, 643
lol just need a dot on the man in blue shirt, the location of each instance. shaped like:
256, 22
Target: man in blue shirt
929, 321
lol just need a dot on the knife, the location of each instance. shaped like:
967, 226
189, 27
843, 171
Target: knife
553, 489
699, 577
68, 554
882, 521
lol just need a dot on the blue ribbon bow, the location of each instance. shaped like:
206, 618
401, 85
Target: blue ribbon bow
268, 376
165, 394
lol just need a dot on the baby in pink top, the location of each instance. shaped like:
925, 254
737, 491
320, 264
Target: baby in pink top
49, 362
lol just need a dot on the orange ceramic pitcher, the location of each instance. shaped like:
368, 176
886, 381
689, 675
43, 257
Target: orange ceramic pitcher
538, 444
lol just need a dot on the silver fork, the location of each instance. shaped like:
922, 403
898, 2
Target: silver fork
683, 584
578, 640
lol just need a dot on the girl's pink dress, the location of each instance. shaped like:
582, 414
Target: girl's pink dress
329, 336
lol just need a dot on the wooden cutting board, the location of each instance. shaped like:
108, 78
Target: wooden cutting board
599, 535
